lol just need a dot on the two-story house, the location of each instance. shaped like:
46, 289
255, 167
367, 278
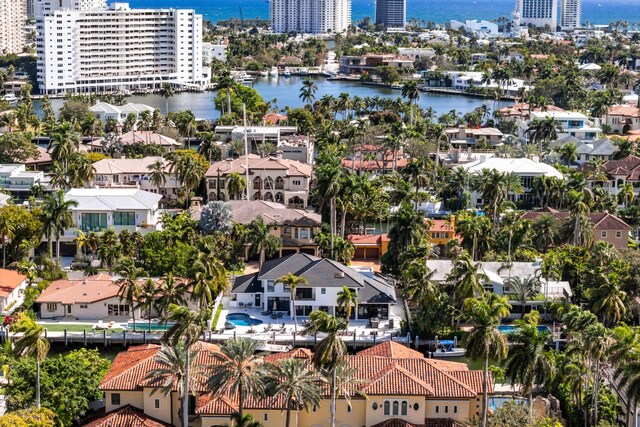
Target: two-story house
19, 182
394, 386
623, 118
616, 173
134, 173
272, 179
296, 228
470, 138
12, 286
118, 209
105, 111
526, 169
325, 280
601, 149
570, 123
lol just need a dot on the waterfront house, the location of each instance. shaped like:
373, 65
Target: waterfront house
369, 62
134, 173
119, 113
606, 227
526, 169
90, 298
140, 137
398, 387
471, 138
12, 286
375, 159
601, 149
273, 179
40, 162
570, 123
522, 111
617, 173
623, 118
118, 209
19, 182
325, 280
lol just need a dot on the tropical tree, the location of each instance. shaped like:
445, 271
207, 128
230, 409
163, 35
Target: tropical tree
545, 229
525, 289
295, 383
609, 298
308, 90
485, 341
148, 297
543, 131
418, 284
467, 278
171, 291
31, 344
412, 93
208, 278
226, 83
236, 185
6, 233
237, 370
347, 299
216, 217
262, 241
292, 281
330, 351
157, 174
129, 283
166, 91
56, 218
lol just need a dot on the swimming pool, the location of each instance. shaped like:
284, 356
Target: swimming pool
242, 319
497, 401
144, 326
507, 329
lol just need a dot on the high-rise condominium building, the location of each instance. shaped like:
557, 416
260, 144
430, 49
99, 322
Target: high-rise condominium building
46, 7
539, 13
310, 16
570, 17
118, 48
391, 13
13, 18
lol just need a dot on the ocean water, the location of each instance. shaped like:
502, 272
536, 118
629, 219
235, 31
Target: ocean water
594, 11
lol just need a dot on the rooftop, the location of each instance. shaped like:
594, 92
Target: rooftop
112, 199
288, 167
131, 166
520, 166
84, 291
9, 280
243, 212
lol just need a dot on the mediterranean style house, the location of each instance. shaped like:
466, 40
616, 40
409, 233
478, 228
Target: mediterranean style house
398, 387
606, 227
623, 118
273, 179
134, 173
618, 173
12, 286
325, 280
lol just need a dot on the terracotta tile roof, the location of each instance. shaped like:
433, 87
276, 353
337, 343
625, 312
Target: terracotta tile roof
367, 239
391, 349
86, 290
9, 280
126, 416
296, 353
289, 167
274, 118
629, 165
42, 157
218, 405
440, 225
521, 109
600, 220
396, 381
372, 165
625, 111
148, 137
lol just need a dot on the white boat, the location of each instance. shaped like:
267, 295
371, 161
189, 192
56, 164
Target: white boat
273, 348
396, 86
273, 72
286, 73
304, 71
10, 98
454, 352
264, 73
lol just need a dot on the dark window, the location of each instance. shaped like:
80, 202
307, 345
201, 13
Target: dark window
94, 221
124, 218
115, 398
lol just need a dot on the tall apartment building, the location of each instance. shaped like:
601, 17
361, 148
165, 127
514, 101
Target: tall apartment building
391, 13
87, 47
310, 16
570, 16
47, 7
539, 13
13, 18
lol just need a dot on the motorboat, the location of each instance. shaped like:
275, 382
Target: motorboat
287, 72
10, 98
304, 71
446, 348
273, 348
273, 72
264, 73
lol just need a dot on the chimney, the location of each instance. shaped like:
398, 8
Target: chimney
119, 129
279, 155
196, 203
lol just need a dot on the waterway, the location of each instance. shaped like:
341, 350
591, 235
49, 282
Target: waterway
287, 93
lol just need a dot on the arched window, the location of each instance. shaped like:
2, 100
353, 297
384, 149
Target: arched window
268, 183
268, 197
395, 407
256, 196
387, 407
403, 408
279, 197
279, 183
257, 182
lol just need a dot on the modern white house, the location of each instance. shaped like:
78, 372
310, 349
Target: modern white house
214, 51
570, 123
526, 169
12, 286
105, 111
134, 173
480, 27
325, 280
118, 209
466, 80
79, 50
19, 182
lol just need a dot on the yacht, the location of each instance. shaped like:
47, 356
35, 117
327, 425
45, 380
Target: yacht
264, 73
287, 72
10, 98
274, 72
304, 71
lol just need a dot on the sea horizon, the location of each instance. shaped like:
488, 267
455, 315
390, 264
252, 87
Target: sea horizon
438, 11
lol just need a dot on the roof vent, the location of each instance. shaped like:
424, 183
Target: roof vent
84, 282
84, 295
338, 275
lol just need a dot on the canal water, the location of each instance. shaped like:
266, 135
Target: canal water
287, 93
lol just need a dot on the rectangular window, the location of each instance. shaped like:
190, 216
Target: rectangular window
124, 218
94, 221
446, 409
83, 306
287, 230
314, 409
603, 234
455, 409
304, 233
117, 310
115, 398
618, 234
52, 306
265, 417
156, 403
348, 408
437, 409
270, 286
323, 291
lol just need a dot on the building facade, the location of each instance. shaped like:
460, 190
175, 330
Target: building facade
538, 13
13, 18
391, 13
134, 173
79, 50
310, 16
570, 16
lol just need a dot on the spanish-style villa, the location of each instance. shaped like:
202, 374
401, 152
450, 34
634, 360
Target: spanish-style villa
623, 118
398, 387
134, 173
617, 173
12, 286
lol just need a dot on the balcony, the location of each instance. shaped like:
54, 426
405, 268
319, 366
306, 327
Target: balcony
306, 294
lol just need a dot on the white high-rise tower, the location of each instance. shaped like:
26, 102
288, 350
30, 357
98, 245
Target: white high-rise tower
570, 17
13, 18
310, 16
539, 13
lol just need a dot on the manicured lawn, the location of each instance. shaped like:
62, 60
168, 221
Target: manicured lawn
77, 328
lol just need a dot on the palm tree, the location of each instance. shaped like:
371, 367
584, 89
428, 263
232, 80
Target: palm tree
524, 289
347, 299
466, 277
485, 341
208, 278
330, 351
6, 233
56, 218
609, 299
412, 93
493, 187
626, 194
171, 291
31, 343
419, 288
157, 175
129, 283
261, 240
543, 131
545, 229
236, 185
293, 281
148, 297
528, 364
292, 380
237, 370
187, 169
226, 83
170, 372
166, 91
308, 90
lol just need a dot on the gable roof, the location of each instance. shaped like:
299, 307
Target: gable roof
148, 137
600, 220
10, 280
132, 166
112, 199
518, 166
245, 211
126, 416
391, 349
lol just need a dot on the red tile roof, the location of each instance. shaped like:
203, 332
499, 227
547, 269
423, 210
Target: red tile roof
391, 349
600, 220
625, 111
367, 239
288, 167
10, 280
87, 290
126, 416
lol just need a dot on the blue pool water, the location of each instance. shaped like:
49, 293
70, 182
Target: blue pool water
242, 319
141, 326
507, 329
497, 401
